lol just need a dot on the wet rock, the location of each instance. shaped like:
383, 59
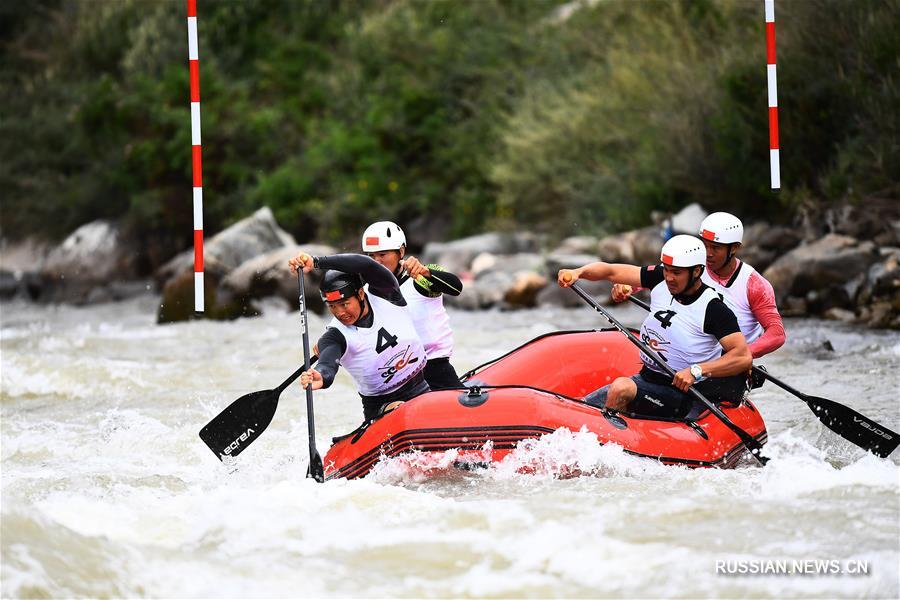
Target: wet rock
223, 253
23, 256
832, 260
553, 295
764, 243
556, 261
524, 290
877, 220
688, 219
511, 263
582, 244
820, 301
881, 314
457, 256
424, 229
485, 292
638, 247
840, 314
793, 306
83, 267
268, 275
10, 285
616, 249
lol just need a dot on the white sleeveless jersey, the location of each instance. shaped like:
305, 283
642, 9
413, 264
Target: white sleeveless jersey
383, 357
675, 330
431, 320
735, 297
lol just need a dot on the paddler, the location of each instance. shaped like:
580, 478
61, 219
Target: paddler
746, 292
423, 287
371, 335
689, 326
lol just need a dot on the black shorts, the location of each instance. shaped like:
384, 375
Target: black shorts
657, 397
441, 375
373, 406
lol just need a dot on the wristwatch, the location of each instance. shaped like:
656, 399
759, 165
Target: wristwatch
697, 372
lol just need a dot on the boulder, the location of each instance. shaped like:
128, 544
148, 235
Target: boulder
89, 266
793, 306
484, 292
10, 285
764, 243
268, 275
457, 256
23, 256
638, 247
423, 229
556, 261
840, 314
878, 300
582, 244
511, 263
553, 295
688, 219
223, 253
831, 261
524, 290
20, 265
615, 249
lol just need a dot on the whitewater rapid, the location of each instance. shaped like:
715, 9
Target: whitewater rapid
107, 491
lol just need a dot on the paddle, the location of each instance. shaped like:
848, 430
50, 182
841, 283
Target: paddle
843, 420
316, 469
752, 445
244, 420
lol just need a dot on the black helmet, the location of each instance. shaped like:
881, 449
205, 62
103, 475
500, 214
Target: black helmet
337, 285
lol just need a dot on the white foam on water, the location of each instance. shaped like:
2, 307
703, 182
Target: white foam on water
107, 491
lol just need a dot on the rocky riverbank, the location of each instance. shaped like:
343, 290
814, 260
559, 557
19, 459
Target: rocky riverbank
842, 264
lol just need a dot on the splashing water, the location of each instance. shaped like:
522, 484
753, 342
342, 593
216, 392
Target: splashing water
108, 491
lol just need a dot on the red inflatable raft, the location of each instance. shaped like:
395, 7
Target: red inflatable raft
532, 391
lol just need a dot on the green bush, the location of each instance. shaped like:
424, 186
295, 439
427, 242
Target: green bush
560, 117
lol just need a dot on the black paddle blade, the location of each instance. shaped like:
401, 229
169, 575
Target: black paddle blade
240, 424
854, 427
316, 470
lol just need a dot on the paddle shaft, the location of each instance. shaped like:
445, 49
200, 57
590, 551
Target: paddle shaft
316, 470
752, 445
295, 375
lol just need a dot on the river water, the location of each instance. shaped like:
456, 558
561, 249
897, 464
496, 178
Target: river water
108, 492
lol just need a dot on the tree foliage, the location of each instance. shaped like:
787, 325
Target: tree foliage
575, 117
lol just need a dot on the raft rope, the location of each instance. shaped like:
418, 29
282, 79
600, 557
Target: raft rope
774, 160
194, 65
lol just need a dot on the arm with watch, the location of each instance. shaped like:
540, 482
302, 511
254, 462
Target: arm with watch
735, 360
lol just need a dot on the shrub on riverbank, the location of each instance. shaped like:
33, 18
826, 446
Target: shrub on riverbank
570, 118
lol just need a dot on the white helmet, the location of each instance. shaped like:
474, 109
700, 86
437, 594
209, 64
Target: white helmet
383, 235
723, 228
683, 251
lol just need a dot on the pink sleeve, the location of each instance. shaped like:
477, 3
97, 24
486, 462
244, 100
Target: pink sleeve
762, 303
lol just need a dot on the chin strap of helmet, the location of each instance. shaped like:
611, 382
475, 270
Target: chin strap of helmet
362, 309
682, 295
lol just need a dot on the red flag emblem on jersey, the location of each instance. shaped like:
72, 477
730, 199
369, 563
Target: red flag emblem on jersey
706, 234
332, 296
371, 241
667, 260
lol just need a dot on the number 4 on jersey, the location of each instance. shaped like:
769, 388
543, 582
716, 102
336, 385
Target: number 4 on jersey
664, 317
385, 341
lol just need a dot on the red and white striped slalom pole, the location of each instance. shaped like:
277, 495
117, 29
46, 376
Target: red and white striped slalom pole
774, 160
194, 63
